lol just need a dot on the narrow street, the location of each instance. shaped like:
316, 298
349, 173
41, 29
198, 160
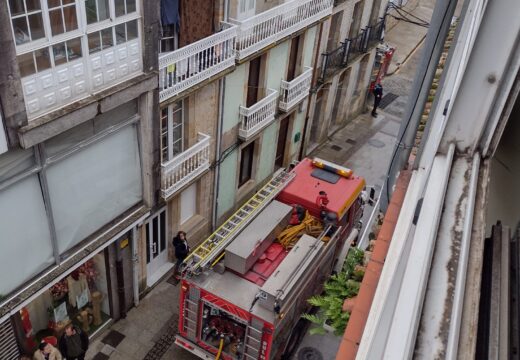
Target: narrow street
365, 145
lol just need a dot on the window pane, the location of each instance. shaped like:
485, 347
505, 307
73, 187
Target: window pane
60, 55
36, 25
26, 64
91, 11
120, 7
43, 61
25, 234
21, 33
53, 3
74, 49
79, 203
32, 5
131, 30
15, 162
56, 22
68, 2
103, 11
94, 42
120, 34
107, 38
16, 7
130, 6
71, 21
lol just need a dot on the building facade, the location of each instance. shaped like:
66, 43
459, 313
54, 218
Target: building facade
126, 121
77, 94
346, 58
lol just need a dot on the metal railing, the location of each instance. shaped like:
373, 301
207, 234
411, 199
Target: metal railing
187, 66
259, 115
292, 92
344, 54
185, 167
274, 24
333, 60
375, 33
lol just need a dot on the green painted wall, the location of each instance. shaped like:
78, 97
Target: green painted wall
276, 67
308, 49
268, 152
299, 121
227, 183
236, 83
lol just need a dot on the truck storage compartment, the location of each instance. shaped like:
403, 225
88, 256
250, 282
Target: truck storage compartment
280, 284
252, 242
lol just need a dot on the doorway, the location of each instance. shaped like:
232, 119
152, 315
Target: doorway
282, 142
157, 263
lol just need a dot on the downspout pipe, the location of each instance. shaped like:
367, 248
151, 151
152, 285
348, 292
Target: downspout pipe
222, 89
135, 262
433, 47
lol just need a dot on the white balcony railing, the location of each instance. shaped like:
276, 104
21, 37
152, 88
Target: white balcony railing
259, 115
185, 167
292, 92
187, 66
274, 24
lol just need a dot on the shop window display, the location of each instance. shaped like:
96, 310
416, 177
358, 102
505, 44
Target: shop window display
80, 298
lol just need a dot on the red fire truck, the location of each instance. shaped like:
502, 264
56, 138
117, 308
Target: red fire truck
245, 287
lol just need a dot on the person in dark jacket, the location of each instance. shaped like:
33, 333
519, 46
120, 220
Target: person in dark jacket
73, 343
182, 249
378, 95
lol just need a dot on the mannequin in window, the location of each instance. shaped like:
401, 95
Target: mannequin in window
77, 283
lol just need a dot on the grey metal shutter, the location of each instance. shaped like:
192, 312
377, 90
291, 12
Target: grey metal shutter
8, 346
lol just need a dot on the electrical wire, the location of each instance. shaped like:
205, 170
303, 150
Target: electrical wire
408, 121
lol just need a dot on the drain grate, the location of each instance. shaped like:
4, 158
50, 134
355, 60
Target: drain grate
309, 353
387, 100
351, 142
113, 338
336, 147
376, 143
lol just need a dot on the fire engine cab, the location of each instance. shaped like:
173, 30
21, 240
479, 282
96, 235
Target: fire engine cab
245, 287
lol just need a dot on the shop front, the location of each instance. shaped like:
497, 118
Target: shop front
80, 298
90, 297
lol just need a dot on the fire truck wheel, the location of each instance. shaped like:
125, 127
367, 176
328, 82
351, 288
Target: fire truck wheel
309, 353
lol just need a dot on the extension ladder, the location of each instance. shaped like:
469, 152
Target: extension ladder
211, 250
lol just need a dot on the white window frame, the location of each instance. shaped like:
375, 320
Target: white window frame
82, 32
170, 130
246, 9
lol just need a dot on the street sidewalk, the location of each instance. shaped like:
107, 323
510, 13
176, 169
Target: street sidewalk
406, 37
364, 144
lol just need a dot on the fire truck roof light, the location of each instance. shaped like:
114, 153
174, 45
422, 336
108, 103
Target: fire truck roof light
328, 166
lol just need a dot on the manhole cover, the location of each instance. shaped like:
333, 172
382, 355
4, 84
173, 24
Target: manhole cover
351, 142
336, 148
309, 353
376, 143
387, 100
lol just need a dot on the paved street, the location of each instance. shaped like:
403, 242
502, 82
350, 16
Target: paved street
364, 145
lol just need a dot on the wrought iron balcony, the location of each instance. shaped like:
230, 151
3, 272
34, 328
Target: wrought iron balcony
258, 116
333, 60
272, 25
188, 66
375, 33
344, 54
292, 92
185, 167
